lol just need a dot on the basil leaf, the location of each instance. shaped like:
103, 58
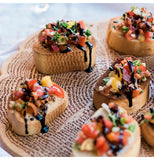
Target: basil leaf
139, 71
113, 118
137, 63
64, 24
105, 80
133, 8
122, 120
88, 33
125, 29
132, 127
56, 37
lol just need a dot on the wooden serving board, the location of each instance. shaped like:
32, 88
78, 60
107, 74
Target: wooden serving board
79, 85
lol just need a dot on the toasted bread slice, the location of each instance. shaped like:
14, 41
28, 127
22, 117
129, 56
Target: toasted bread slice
33, 125
118, 42
48, 62
130, 150
122, 101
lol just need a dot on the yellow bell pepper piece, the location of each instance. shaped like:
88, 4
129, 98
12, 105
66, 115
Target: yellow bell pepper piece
70, 23
46, 81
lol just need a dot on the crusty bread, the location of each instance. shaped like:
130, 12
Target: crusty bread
137, 102
117, 41
48, 62
131, 150
54, 110
148, 133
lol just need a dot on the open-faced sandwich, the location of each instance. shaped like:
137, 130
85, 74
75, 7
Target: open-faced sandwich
133, 33
110, 132
65, 47
147, 127
125, 83
34, 105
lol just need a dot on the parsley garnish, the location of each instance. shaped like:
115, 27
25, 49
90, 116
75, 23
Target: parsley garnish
137, 63
58, 24
74, 28
132, 127
143, 77
54, 28
133, 7
105, 80
125, 29
139, 71
122, 120
113, 118
22, 106
141, 91
56, 37
88, 33
14, 106
64, 24
46, 25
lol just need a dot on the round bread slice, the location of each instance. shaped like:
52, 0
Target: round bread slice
131, 150
118, 42
49, 62
137, 102
148, 133
33, 125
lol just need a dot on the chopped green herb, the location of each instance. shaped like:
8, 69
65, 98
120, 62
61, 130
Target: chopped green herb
54, 28
22, 106
122, 18
113, 118
145, 120
105, 80
133, 8
56, 37
125, 29
141, 91
122, 120
139, 71
64, 24
132, 127
143, 77
88, 33
137, 63
58, 24
14, 106
76, 146
74, 28
114, 27
46, 25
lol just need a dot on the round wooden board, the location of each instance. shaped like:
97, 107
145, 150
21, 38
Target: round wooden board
79, 85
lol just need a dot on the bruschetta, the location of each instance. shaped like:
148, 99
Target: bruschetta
147, 127
65, 46
34, 104
110, 132
125, 83
132, 33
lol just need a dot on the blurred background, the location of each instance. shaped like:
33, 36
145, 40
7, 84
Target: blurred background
17, 21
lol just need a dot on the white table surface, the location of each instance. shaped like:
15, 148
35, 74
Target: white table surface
17, 21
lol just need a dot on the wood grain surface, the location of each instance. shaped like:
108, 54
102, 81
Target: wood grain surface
79, 85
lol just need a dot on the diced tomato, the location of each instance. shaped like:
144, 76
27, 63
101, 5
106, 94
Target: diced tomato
43, 38
147, 74
129, 58
55, 48
136, 92
80, 138
55, 89
126, 134
138, 76
107, 90
150, 19
148, 116
18, 94
127, 117
148, 36
125, 141
31, 83
82, 25
128, 35
108, 124
81, 41
142, 68
101, 145
90, 130
113, 136
131, 13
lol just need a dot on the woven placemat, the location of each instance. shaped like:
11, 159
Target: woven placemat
79, 85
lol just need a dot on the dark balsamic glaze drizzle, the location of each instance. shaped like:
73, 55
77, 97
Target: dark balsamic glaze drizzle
130, 63
129, 97
85, 54
151, 110
26, 121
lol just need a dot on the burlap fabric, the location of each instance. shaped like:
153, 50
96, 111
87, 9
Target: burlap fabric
79, 85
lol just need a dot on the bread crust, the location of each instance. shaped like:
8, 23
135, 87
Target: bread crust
54, 110
118, 42
48, 62
137, 102
131, 150
148, 133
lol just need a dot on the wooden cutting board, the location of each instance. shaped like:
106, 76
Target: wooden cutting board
79, 85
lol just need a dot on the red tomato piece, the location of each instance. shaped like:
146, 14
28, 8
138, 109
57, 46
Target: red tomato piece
31, 83
90, 130
55, 89
113, 136
80, 138
100, 141
18, 94
136, 92
129, 58
131, 13
81, 41
82, 25
126, 75
128, 35
108, 124
55, 48
127, 117
148, 116
148, 36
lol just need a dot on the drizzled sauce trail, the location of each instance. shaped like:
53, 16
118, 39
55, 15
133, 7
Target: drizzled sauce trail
85, 54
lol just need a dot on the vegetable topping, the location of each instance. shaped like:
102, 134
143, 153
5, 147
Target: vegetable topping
125, 77
136, 24
106, 134
149, 118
